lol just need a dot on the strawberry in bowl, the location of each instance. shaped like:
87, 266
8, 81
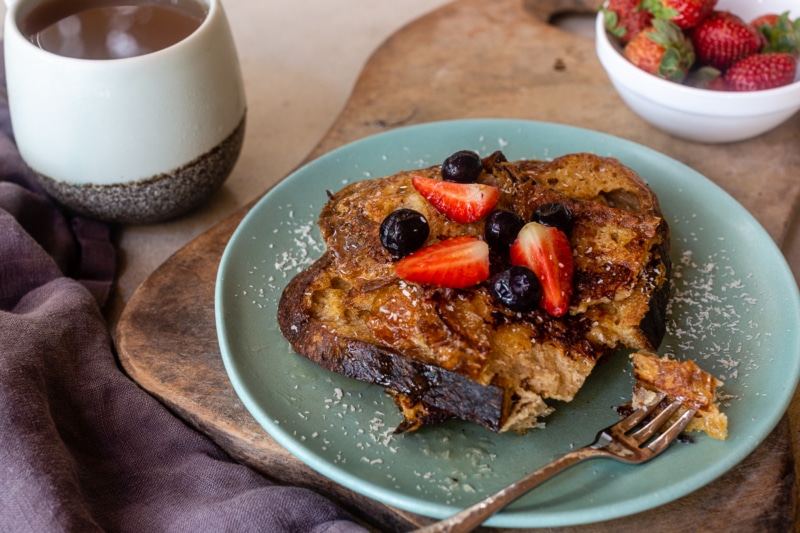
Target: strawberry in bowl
691, 41
740, 65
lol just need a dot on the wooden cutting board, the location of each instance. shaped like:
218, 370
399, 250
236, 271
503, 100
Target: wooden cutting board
472, 58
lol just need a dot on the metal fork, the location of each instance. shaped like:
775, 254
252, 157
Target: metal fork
624, 441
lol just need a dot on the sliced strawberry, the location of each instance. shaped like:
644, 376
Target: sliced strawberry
546, 251
453, 263
461, 202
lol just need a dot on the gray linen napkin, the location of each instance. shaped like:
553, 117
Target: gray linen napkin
82, 447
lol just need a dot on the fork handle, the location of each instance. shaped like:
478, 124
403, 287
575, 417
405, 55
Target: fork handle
476, 514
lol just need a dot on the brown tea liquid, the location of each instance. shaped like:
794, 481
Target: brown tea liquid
92, 29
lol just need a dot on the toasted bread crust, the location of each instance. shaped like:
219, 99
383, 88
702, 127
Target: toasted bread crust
364, 361
457, 353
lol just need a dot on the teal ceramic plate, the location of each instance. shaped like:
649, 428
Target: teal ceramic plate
734, 310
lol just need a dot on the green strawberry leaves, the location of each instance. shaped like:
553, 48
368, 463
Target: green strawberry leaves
679, 53
659, 10
611, 22
783, 36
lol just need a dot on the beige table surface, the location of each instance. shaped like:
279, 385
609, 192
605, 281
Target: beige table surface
300, 60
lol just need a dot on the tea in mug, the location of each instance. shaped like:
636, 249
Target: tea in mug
108, 29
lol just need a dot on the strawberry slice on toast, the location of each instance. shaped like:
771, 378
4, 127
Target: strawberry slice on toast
547, 252
454, 263
460, 202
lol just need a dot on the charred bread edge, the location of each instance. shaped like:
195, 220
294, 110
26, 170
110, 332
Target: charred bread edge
420, 381
654, 324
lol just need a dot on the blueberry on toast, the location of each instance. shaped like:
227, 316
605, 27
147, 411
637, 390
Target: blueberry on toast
483, 298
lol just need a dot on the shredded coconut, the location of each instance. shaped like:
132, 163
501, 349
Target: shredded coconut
709, 320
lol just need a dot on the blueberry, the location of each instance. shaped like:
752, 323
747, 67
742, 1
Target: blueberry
517, 288
404, 231
463, 166
554, 214
501, 228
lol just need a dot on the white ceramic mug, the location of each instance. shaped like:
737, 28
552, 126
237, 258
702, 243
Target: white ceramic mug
135, 140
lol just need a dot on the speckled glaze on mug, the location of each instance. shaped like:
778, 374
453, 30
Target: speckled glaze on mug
135, 140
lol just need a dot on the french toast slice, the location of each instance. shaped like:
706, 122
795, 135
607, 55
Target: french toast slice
458, 353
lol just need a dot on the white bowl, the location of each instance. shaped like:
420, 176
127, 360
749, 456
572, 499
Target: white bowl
699, 114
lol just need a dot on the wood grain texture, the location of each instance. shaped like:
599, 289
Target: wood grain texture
472, 58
